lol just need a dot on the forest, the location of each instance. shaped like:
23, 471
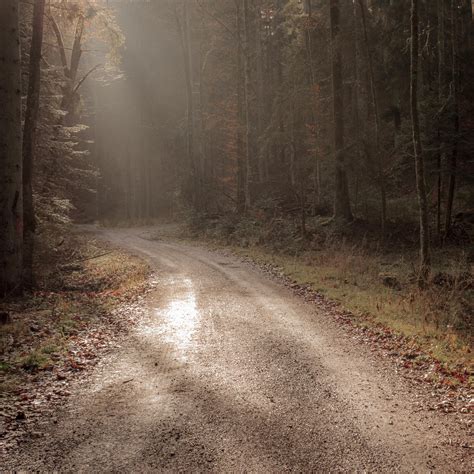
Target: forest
327, 142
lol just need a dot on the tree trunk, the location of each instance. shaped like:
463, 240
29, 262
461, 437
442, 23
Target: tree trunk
467, 20
71, 98
240, 118
61, 47
342, 206
441, 98
188, 70
129, 184
260, 88
418, 149
11, 205
373, 93
355, 102
29, 140
247, 92
454, 89
312, 83
278, 62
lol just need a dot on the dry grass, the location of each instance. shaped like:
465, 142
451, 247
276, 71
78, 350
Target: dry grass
439, 317
377, 284
70, 299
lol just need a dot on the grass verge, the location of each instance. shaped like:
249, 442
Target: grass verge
435, 318
377, 285
45, 327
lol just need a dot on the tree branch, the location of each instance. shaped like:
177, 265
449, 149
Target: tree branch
79, 84
59, 39
217, 19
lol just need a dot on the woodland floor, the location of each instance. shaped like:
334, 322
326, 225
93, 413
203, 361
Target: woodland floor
56, 334
227, 369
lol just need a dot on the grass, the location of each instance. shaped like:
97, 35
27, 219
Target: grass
34, 361
70, 299
376, 284
436, 317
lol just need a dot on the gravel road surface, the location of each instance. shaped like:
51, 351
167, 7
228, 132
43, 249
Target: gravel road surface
230, 372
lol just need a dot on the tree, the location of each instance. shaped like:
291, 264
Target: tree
417, 146
193, 187
375, 107
249, 135
312, 83
70, 100
11, 205
240, 86
342, 205
441, 99
85, 19
283, 128
29, 139
455, 114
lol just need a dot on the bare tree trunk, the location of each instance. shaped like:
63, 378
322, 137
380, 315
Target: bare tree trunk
76, 52
240, 126
188, 69
277, 60
373, 93
260, 87
342, 205
71, 98
247, 92
356, 98
418, 149
312, 82
29, 140
441, 98
467, 21
61, 47
129, 184
204, 149
11, 205
293, 145
454, 89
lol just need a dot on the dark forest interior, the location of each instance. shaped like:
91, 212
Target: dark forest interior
316, 113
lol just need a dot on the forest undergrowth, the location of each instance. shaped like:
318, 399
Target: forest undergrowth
57, 331
376, 283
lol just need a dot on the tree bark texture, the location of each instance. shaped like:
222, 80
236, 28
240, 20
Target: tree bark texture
29, 140
11, 205
373, 94
417, 146
342, 206
452, 167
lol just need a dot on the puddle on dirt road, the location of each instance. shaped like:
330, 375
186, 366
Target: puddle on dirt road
177, 322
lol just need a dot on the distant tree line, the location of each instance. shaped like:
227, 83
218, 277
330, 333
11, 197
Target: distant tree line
347, 109
351, 109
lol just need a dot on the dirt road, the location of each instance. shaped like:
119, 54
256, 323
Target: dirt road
229, 372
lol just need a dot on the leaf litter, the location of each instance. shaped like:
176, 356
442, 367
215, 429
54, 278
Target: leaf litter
58, 333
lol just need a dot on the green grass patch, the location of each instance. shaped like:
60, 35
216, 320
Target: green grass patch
34, 361
4, 367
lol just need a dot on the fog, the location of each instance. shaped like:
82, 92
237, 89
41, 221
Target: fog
139, 117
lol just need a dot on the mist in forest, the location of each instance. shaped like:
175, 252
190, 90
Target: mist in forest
227, 106
313, 112
164, 138
139, 117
